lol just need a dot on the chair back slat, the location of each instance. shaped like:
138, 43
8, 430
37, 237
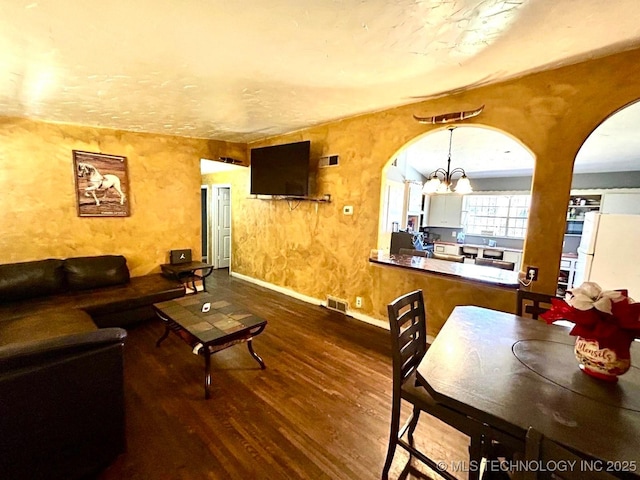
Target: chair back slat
532, 304
409, 334
408, 326
410, 357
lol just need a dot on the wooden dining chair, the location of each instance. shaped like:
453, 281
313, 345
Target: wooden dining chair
504, 265
485, 262
546, 456
532, 304
409, 344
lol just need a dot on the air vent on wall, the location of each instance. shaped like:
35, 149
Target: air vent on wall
337, 304
328, 161
235, 161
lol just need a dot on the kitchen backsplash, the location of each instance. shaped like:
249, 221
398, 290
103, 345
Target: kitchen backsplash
570, 242
500, 241
446, 235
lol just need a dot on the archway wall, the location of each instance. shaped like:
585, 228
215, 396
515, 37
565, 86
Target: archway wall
319, 251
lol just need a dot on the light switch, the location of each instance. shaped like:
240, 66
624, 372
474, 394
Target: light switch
347, 209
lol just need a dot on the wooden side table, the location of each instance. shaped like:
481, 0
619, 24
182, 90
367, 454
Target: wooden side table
186, 273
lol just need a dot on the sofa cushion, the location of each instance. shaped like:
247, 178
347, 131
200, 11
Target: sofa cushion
84, 273
45, 325
23, 280
117, 305
123, 305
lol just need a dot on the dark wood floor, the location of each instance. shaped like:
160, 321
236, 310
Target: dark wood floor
319, 411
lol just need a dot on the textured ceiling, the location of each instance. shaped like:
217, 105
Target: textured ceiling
241, 70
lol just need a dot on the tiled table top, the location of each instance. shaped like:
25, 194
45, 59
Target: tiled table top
222, 320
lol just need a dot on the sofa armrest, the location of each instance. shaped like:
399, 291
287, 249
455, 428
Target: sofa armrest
62, 408
23, 355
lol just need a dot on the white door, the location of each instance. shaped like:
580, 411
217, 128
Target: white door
582, 268
204, 212
589, 233
615, 260
223, 243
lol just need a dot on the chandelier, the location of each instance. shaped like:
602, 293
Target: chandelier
440, 180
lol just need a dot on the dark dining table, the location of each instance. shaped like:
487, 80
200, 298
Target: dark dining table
512, 373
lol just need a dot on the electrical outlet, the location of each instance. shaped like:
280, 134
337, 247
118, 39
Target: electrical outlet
358, 302
532, 273
454, 233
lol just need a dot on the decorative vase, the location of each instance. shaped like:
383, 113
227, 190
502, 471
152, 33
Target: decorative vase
603, 363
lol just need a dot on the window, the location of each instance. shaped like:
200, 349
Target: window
497, 215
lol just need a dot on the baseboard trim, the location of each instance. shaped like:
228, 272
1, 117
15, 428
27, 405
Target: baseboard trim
312, 300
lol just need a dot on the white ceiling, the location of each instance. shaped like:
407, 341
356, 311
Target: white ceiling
216, 166
481, 152
241, 70
614, 146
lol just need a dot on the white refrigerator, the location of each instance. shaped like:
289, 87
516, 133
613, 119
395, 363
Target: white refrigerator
609, 252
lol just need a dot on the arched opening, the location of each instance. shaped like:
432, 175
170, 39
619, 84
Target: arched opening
606, 180
495, 214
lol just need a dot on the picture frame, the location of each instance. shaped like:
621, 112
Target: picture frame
102, 184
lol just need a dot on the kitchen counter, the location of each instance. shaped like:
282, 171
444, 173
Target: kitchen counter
568, 255
485, 247
467, 272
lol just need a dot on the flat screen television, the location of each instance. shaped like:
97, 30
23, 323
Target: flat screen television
281, 169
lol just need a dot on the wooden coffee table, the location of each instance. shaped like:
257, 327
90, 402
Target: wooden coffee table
209, 324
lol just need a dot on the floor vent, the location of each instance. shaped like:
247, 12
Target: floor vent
337, 304
328, 161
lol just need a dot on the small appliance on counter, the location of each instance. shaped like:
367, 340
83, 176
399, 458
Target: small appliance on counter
432, 237
409, 240
460, 237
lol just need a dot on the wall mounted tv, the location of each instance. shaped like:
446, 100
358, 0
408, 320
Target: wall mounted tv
281, 169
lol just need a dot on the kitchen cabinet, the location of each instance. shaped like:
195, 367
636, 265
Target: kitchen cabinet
446, 248
625, 203
515, 257
478, 250
426, 201
445, 211
578, 206
566, 276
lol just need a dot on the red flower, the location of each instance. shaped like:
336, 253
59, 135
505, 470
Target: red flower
611, 318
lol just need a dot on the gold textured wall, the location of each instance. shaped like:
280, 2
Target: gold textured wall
317, 251
38, 215
310, 248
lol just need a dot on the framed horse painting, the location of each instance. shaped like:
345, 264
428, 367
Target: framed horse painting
102, 186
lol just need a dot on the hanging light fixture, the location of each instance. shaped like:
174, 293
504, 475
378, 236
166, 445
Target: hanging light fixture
440, 180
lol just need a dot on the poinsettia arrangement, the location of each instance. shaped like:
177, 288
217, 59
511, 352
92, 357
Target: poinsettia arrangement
608, 316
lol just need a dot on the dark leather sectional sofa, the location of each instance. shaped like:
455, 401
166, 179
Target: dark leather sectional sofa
61, 361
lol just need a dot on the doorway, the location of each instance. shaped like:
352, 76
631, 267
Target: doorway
219, 231
204, 214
